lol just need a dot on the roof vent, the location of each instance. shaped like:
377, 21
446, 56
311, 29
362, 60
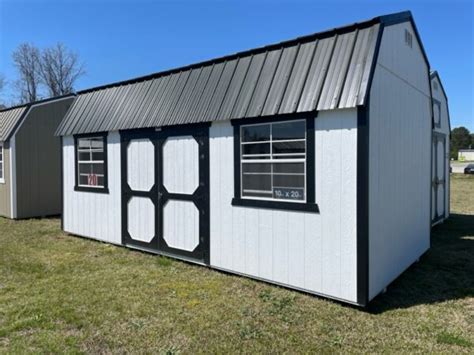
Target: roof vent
408, 38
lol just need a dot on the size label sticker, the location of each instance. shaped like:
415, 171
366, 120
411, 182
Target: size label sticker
288, 193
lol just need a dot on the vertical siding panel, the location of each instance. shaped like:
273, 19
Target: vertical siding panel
315, 261
215, 196
227, 188
296, 249
348, 204
265, 244
238, 239
280, 246
331, 223
251, 241
312, 253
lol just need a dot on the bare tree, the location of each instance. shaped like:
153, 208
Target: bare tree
59, 69
2, 85
27, 61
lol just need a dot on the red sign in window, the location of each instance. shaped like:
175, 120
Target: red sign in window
92, 180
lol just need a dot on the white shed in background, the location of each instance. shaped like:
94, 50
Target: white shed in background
466, 154
440, 187
305, 163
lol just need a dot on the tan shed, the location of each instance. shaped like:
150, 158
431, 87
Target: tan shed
30, 158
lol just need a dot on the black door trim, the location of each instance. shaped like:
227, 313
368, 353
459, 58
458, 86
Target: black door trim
160, 196
200, 197
128, 193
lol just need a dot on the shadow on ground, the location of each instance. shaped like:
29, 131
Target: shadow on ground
445, 272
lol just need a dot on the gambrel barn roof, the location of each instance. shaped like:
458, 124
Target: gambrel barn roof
9, 119
322, 71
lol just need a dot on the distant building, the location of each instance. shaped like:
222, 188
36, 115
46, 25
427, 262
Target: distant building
30, 158
466, 154
440, 151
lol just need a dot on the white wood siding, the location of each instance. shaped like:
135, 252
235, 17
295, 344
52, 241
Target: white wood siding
94, 215
400, 158
445, 129
314, 252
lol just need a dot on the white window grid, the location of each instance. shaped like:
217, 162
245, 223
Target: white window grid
270, 160
89, 150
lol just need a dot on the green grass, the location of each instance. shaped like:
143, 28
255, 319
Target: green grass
60, 293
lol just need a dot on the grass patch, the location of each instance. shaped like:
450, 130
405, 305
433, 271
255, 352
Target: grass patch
60, 293
452, 339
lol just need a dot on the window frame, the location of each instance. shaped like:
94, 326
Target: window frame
77, 187
309, 205
2, 163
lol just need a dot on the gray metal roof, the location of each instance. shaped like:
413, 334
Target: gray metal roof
9, 119
323, 71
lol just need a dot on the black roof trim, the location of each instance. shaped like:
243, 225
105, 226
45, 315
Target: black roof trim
405, 16
387, 20
434, 74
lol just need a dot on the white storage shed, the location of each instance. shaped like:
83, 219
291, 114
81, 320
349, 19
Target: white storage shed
305, 163
466, 154
440, 187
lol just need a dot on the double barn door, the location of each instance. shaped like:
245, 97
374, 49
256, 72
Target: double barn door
165, 191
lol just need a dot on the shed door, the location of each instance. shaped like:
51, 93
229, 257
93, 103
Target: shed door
439, 177
165, 188
183, 192
139, 190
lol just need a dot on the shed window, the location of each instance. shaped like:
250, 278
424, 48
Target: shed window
273, 164
273, 160
437, 113
91, 163
2, 168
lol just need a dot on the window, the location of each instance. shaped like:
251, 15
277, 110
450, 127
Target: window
273, 158
2, 169
91, 163
275, 164
437, 113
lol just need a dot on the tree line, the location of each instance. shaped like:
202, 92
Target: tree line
42, 72
461, 138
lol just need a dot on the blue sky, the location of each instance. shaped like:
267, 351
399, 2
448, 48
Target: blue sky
121, 39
